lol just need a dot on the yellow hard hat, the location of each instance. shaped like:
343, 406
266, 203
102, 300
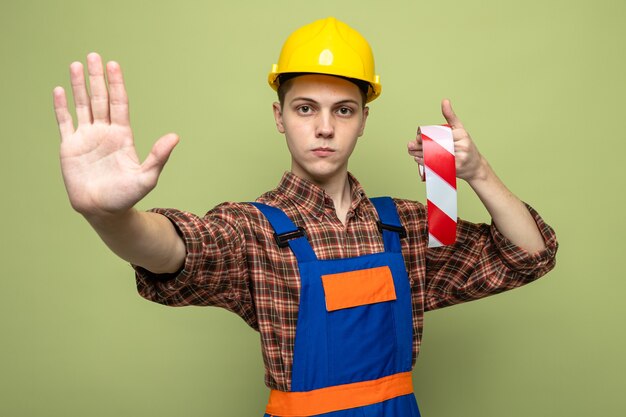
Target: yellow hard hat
328, 46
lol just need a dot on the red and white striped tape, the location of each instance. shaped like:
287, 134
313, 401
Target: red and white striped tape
439, 172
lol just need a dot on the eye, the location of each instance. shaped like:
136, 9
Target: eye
304, 109
345, 111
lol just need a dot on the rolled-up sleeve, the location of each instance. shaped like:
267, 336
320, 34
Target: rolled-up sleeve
214, 272
484, 262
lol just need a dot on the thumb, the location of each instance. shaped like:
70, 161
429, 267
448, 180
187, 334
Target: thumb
160, 153
450, 115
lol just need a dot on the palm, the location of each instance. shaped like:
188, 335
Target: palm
101, 170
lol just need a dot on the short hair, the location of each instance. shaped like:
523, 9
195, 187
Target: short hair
283, 84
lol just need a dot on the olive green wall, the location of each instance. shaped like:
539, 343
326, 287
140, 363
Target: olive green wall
539, 85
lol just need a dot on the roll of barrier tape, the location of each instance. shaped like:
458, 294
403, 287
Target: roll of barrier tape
439, 172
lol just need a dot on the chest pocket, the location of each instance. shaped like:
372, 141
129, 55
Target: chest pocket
357, 288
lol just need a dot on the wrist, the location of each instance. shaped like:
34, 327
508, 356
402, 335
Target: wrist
482, 173
106, 220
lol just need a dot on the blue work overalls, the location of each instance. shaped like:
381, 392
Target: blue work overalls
353, 345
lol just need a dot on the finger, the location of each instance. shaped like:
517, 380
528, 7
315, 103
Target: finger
414, 146
159, 154
417, 156
448, 113
79, 90
99, 94
417, 143
64, 118
415, 150
118, 99
416, 153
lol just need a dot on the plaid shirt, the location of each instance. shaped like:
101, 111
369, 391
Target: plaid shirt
233, 262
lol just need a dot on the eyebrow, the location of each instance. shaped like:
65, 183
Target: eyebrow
310, 100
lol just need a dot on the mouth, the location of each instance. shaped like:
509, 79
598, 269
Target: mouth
322, 152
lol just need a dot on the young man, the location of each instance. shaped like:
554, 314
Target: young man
336, 283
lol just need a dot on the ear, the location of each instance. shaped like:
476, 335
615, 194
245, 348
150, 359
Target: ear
366, 112
278, 117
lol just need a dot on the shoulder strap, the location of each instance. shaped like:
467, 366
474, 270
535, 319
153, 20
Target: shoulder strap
286, 233
389, 223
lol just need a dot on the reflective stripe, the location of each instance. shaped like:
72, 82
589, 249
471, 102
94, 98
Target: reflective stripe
339, 397
357, 288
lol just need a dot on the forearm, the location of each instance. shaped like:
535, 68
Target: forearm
142, 238
508, 212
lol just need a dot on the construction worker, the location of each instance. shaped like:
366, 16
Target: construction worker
336, 283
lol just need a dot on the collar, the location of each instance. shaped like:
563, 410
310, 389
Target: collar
312, 198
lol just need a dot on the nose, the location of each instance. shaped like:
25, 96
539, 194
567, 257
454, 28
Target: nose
325, 127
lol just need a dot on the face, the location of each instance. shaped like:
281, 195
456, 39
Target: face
322, 117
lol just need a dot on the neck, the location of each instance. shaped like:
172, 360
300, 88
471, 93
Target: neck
340, 194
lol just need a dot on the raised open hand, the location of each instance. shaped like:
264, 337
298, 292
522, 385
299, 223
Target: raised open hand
101, 170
